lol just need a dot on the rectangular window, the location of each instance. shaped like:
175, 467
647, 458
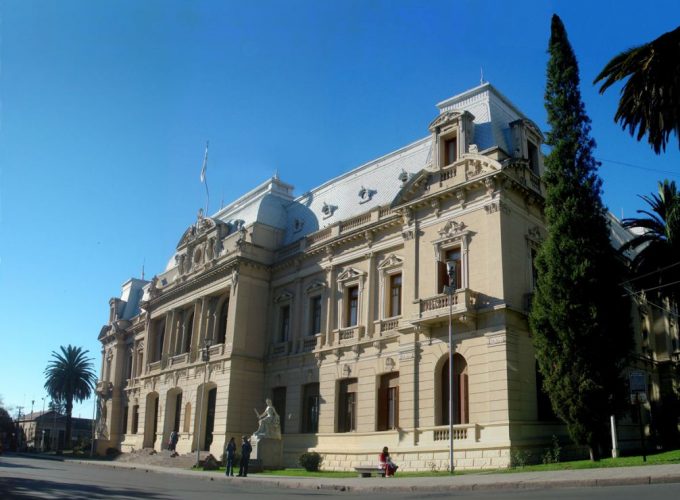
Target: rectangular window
533, 156
352, 313
443, 271
284, 328
135, 419
128, 372
347, 405
279, 402
125, 419
395, 295
310, 408
388, 402
315, 315
450, 150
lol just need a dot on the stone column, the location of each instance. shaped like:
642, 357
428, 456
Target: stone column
369, 300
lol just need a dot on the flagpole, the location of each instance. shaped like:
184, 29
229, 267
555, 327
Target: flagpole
204, 178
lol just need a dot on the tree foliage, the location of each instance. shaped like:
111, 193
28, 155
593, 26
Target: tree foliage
650, 99
69, 377
579, 318
6, 422
657, 262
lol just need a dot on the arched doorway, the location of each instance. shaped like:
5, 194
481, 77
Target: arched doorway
205, 414
173, 413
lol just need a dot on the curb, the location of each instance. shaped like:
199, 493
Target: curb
394, 486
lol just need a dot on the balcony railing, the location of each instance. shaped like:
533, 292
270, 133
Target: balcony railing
156, 365
461, 432
179, 359
462, 301
388, 325
349, 334
309, 344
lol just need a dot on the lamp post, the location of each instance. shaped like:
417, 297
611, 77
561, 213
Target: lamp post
206, 357
42, 415
450, 290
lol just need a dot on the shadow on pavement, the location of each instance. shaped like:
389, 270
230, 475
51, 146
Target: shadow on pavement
11, 488
18, 466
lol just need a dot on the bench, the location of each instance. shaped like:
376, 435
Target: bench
369, 471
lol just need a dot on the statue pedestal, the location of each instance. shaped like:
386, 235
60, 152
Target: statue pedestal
269, 452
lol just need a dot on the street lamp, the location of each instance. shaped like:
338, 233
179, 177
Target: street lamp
206, 358
450, 290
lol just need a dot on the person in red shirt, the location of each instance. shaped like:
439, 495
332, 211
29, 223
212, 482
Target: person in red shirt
386, 463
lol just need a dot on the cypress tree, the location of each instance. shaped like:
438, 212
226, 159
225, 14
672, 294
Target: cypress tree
580, 320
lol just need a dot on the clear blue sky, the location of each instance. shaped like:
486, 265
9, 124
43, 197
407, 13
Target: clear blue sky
106, 107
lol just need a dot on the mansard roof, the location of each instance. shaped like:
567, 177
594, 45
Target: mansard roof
373, 184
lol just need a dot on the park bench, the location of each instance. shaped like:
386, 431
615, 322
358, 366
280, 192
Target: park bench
368, 471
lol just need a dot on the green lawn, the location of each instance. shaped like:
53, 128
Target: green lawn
668, 457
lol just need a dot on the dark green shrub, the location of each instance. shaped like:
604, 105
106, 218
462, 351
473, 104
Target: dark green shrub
310, 461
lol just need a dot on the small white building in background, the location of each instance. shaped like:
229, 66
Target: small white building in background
330, 303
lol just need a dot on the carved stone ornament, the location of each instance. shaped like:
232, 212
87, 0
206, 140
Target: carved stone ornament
284, 296
407, 215
461, 196
452, 228
403, 176
315, 286
534, 234
346, 370
490, 186
408, 235
436, 205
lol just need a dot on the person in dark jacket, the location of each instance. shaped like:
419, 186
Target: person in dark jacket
229, 452
245, 457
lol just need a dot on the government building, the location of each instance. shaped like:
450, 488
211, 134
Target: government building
335, 304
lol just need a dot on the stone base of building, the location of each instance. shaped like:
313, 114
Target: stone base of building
269, 452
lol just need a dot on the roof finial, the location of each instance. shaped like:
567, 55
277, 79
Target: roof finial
276, 174
481, 76
143, 262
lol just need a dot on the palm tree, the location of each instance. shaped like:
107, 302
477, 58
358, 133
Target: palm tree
650, 99
658, 242
69, 377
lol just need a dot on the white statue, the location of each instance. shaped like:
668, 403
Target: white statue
269, 423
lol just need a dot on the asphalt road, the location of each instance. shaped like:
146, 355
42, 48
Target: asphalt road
22, 478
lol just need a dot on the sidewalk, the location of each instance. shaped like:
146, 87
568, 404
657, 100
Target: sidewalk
615, 476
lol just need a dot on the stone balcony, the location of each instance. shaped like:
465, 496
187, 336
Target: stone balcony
433, 310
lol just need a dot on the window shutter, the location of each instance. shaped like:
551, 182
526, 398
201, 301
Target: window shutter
442, 277
382, 408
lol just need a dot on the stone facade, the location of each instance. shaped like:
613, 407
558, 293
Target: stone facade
331, 304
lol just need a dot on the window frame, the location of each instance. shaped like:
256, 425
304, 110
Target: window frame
453, 235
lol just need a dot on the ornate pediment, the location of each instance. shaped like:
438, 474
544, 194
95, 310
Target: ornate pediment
390, 261
452, 229
315, 286
350, 273
205, 225
284, 296
444, 119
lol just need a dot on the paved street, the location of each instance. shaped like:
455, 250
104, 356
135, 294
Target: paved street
25, 477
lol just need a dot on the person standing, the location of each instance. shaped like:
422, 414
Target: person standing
245, 457
229, 453
172, 443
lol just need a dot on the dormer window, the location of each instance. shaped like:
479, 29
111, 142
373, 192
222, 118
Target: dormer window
450, 150
532, 153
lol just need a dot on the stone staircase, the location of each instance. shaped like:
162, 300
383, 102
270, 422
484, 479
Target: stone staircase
163, 458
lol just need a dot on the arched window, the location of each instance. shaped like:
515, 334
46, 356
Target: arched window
461, 411
222, 322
